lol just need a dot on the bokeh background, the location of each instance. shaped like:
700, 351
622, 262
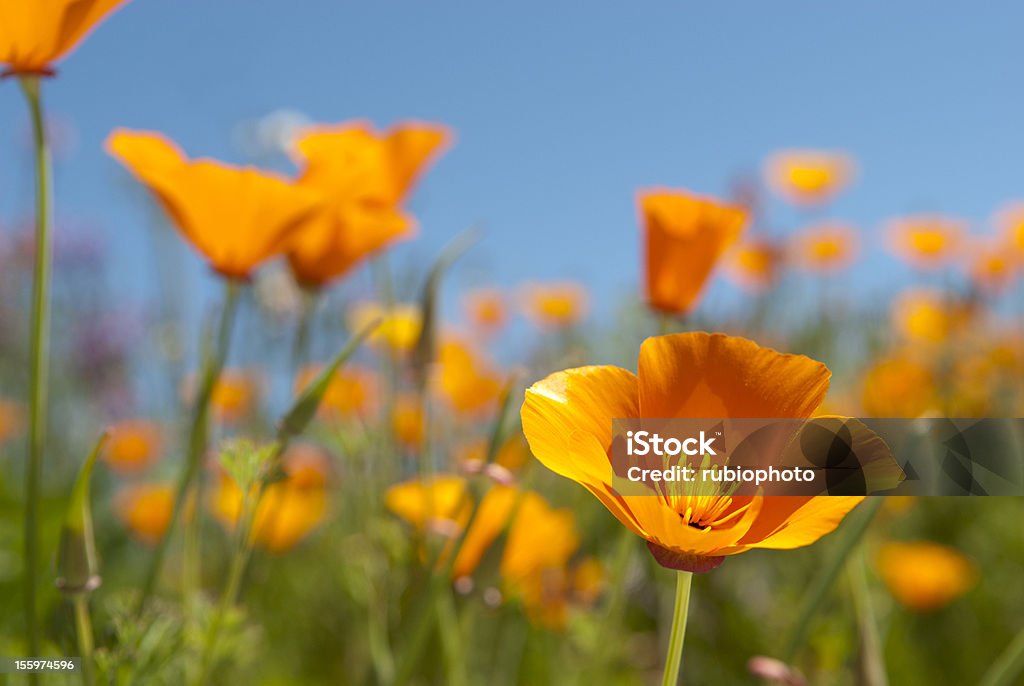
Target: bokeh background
560, 114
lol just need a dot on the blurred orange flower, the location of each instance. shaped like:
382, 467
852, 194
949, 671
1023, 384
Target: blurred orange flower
808, 177
34, 35
12, 419
925, 576
399, 327
684, 237
352, 391
145, 509
288, 510
1009, 221
825, 248
753, 264
236, 217
567, 419
365, 175
441, 503
555, 305
589, 580
132, 445
992, 267
925, 241
898, 386
234, 395
512, 454
485, 309
466, 381
924, 315
407, 421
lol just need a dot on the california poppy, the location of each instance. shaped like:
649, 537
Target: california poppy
754, 264
1009, 221
899, 386
567, 419
808, 177
352, 391
925, 241
825, 248
465, 379
554, 305
236, 217
485, 309
684, 237
992, 266
145, 509
35, 35
364, 176
399, 327
132, 445
925, 576
928, 316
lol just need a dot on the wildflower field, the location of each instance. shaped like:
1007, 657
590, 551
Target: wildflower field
344, 451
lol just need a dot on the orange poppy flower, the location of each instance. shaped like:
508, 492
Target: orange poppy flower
925, 241
754, 264
898, 386
567, 419
234, 395
808, 177
399, 327
1009, 221
556, 305
132, 445
927, 316
466, 381
441, 503
684, 237
146, 510
407, 421
485, 310
352, 391
825, 248
236, 218
34, 35
992, 267
925, 576
288, 510
365, 175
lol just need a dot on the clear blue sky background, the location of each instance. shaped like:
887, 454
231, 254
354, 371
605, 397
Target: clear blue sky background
562, 110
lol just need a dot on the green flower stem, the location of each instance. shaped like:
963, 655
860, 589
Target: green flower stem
83, 627
847, 539
1008, 666
39, 364
871, 643
674, 656
300, 346
212, 367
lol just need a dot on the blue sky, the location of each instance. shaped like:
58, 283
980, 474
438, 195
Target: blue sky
562, 110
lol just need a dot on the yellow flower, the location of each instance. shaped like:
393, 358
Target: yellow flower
12, 419
589, 580
1010, 222
485, 309
235, 217
567, 419
133, 445
364, 175
992, 266
146, 510
352, 391
556, 305
808, 177
407, 421
467, 382
399, 327
35, 34
512, 454
926, 316
925, 576
441, 502
234, 396
753, 264
898, 386
825, 248
684, 237
288, 510
925, 241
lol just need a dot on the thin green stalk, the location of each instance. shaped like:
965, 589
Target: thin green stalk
674, 656
847, 539
300, 346
870, 642
212, 367
83, 626
1008, 666
227, 601
39, 363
